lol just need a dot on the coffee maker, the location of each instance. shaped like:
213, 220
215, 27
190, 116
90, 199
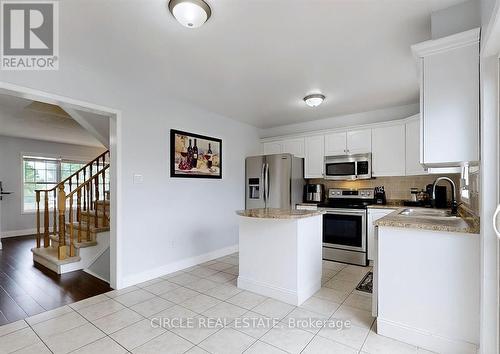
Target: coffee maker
380, 195
313, 193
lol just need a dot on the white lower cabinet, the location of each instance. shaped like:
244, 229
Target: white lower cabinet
388, 150
374, 215
314, 156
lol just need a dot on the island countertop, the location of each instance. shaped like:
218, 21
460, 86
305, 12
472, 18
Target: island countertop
273, 213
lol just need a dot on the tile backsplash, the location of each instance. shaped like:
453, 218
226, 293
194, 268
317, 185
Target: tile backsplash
395, 187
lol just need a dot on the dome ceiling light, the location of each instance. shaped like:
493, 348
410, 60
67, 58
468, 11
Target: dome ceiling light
314, 100
190, 13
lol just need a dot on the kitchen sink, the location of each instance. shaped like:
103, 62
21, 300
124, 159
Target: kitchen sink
427, 213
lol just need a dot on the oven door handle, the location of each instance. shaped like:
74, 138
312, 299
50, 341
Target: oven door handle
360, 212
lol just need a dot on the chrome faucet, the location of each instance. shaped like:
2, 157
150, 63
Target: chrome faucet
454, 204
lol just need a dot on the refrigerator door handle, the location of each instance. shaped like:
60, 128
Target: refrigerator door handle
495, 217
263, 177
267, 182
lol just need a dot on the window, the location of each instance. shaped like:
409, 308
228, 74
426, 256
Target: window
44, 173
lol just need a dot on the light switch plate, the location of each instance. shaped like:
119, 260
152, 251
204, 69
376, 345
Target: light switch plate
138, 179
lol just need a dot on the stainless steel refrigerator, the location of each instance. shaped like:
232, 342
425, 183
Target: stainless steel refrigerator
274, 181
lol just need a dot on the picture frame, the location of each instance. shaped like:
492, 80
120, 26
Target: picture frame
195, 156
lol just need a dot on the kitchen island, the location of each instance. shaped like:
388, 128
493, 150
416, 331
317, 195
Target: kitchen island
280, 253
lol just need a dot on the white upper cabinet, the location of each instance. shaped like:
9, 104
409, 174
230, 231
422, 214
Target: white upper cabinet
359, 141
286, 146
413, 165
449, 98
336, 144
388, 150
294, 147
273, 147
314, 156
350, 142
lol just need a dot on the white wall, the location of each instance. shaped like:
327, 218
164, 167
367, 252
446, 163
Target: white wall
456, 19
490, 177
164, 220
95, 124
14, 222
381, 115
100, 267
489, 201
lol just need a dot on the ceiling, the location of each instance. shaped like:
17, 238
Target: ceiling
254, 61
24, 118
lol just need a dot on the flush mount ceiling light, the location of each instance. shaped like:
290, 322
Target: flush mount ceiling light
190, 13
314, 100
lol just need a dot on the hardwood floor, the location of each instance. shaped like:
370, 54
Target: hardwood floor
27, 288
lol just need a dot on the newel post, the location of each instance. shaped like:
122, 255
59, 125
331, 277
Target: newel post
61, 209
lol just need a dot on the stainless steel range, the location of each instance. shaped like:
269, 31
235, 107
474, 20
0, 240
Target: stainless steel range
344, 225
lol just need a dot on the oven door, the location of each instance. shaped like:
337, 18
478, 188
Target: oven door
345, 229
340, 170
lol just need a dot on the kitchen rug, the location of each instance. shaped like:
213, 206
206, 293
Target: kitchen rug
366, 284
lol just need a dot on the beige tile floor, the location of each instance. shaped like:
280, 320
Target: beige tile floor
126, 320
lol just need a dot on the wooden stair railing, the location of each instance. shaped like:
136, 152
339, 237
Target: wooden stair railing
91, 183
78, 181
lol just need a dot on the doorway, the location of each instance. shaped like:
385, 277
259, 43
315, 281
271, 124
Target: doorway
77, 285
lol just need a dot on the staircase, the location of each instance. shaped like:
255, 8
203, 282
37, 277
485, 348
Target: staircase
75, 215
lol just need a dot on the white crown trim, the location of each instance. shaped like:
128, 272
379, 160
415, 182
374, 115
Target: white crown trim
445, 44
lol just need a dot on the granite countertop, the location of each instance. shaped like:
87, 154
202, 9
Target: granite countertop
464, 223
272, 213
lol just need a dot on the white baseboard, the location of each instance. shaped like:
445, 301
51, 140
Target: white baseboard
14, 233
424, 339
286, 295
309, 290
175, 266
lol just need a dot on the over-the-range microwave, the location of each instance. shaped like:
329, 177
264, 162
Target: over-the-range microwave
348, 167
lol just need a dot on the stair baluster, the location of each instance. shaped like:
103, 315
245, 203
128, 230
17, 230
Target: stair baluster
46, 241
54, 214
71, 233
38, 234
91, 194
79, 211
104, 219
62, 254
96, 219
85, 191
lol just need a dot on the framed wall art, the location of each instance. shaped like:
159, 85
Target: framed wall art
195, 156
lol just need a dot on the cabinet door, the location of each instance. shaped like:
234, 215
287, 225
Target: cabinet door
315, 155
274, 147
413, 166
294, 147
359, 141
335, 144
388, 150
450, 106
